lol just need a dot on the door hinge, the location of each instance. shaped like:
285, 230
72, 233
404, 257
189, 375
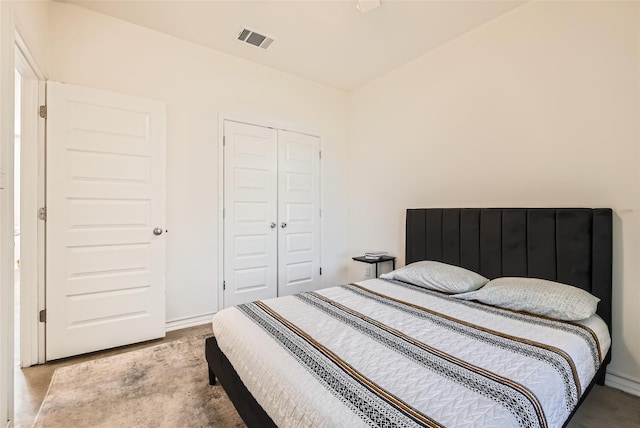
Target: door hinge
43, 112
320, 271
224, 285
43, 315
42, 213
320, 212
224, 140
223, 213
320, 154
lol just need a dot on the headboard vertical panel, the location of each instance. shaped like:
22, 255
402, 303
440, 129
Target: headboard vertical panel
469, 239
491, 243
541, 244
573, 244
514, 242
415, 249
602, 253
434, 232
451, 236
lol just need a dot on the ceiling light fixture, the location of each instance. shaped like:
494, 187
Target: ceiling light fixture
364, 6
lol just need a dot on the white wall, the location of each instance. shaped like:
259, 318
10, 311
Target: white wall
539, 107
197, 84
6, 217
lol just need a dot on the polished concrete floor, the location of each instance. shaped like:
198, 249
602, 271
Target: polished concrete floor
605, 407
32, 383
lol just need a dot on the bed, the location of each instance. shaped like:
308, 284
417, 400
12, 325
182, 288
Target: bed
391, 353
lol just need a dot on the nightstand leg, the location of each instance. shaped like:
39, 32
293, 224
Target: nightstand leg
376, 270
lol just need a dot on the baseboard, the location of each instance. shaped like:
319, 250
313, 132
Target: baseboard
623, 383
188, 322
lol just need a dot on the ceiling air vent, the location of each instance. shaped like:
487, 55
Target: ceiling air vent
255, 39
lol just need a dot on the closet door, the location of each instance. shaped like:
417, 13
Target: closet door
298, 213
250, 213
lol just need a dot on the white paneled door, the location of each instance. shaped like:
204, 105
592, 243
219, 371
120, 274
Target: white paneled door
298, 212
271, 213
250, 213
105, 269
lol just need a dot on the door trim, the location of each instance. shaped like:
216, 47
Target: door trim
37, 296
32, 197
7, 88
222, 117
42, 225
24, 49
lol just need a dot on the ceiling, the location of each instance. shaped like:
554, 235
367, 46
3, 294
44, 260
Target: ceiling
329, 42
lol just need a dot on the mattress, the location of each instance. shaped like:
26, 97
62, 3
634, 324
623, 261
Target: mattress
385, 353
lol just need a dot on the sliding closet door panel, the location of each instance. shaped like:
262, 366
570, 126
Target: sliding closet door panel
250, 213
298, 212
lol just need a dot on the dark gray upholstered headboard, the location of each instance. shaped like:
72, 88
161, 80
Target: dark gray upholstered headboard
568, 245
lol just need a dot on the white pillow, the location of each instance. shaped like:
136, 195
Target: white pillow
438, 276
537, 296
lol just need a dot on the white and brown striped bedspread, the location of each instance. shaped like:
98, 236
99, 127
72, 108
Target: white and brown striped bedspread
382, 353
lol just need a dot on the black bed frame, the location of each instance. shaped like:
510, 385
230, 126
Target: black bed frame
568, 245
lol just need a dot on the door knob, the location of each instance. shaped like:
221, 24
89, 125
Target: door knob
283, 225
157, 231
272, 225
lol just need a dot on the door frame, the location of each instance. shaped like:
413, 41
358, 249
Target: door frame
7, 87
274, 124
32, 187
